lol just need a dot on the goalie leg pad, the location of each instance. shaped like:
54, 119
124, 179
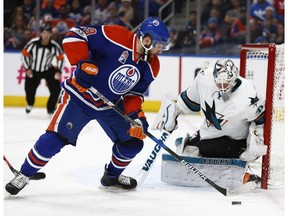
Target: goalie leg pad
225, 172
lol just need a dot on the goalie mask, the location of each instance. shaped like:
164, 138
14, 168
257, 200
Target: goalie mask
225, 74
157, 30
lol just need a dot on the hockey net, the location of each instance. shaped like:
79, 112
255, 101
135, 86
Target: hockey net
264, 65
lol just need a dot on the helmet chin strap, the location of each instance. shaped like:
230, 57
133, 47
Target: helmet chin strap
145, 48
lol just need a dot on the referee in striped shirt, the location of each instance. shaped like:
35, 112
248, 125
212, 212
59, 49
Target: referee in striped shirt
37, 57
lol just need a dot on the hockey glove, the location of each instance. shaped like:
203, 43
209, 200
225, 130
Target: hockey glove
84, 75
138, 130
169, 117
255, 145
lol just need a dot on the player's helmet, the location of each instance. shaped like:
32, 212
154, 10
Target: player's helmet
225, 74
158, 31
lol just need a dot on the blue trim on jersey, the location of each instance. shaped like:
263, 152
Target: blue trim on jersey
208, 161
195, 107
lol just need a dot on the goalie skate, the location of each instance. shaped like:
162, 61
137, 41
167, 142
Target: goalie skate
17, 184
121, 181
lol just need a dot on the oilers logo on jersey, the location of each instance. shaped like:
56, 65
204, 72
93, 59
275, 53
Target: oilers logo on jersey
123, 79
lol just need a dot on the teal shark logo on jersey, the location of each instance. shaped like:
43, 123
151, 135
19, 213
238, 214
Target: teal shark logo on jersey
211, 117
253, 101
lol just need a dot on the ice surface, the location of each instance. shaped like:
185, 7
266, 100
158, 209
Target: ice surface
71, 186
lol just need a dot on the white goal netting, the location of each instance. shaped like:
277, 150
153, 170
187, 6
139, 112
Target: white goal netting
264, 65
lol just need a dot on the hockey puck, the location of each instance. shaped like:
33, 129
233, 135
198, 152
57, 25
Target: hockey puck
236, 202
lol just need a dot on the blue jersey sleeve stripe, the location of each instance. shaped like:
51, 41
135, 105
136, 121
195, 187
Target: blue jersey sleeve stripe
195, 107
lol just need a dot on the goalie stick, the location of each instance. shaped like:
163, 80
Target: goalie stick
226, 192
37, 176
150, 160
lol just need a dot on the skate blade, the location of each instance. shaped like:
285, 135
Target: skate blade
115, 189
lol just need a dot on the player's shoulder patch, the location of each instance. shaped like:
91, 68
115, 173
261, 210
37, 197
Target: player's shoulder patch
89, 30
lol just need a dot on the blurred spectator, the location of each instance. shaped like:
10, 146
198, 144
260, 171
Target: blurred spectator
190, 30
47, 18
84, 3
15, 33
238, 28
217, 6
192, 20
28, 9
18, 11
126, 11
212, 35
27, 36
268, 24
86, 20
279, 37
101, 12
50, 9
255, 28
153, 6
56, 3
173, 37
55, 35
75, 11
216, 12
63, 23
258, 9
279, 7
114, 18
231, 15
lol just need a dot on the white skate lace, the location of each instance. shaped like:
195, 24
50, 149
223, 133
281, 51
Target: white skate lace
125, 180
20, 180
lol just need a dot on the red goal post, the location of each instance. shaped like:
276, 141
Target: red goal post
264, 65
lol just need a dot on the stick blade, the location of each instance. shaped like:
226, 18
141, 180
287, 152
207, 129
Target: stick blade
247, 187
38, 176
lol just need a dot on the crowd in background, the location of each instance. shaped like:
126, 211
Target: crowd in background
225, 21
222, 21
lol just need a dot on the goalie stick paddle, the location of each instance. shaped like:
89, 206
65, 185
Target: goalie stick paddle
150, 160
37, 176
226, 192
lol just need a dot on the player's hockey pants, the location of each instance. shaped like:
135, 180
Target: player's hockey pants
66, 124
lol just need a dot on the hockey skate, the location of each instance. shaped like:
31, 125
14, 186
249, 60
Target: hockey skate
121, 181
251, 177
28, 109
17, 184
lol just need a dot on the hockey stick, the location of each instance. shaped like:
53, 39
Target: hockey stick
150, 160
226, 192
37, 176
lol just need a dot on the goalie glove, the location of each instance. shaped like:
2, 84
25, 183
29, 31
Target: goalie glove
84, 75
138, 130
169, 118
255, 145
